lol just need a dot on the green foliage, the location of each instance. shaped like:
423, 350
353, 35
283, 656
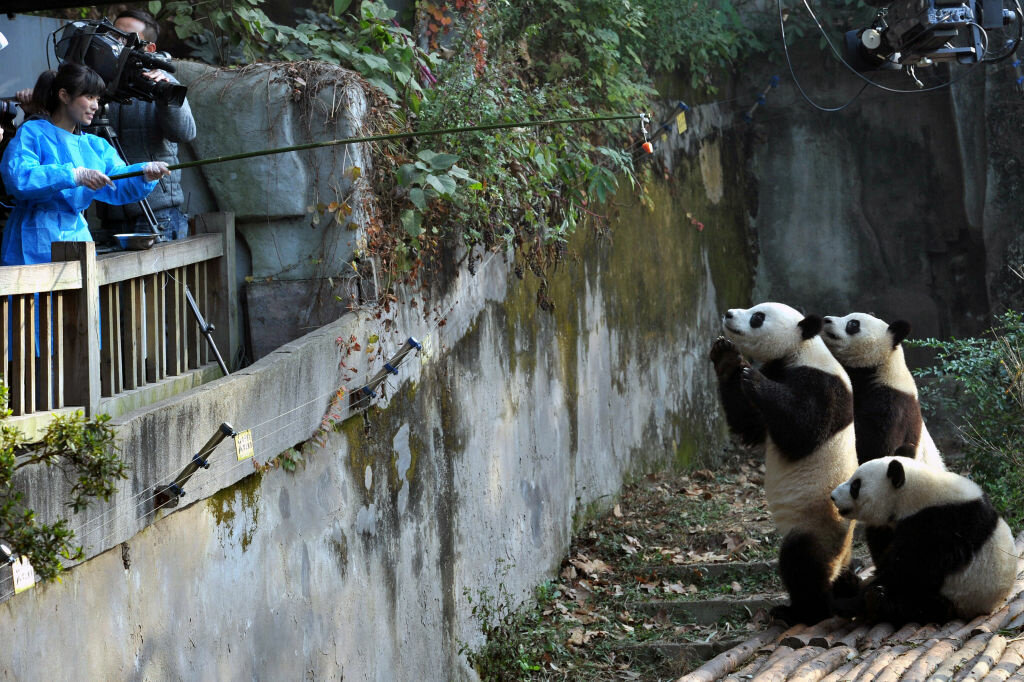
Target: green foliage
696, 36
224, 32
83, 449
516, 641
989, 394
432, 176
508, 61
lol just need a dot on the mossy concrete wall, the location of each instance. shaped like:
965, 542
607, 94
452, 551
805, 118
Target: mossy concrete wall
509, 427
905, 205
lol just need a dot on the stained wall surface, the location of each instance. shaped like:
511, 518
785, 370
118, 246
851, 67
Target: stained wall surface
513, 423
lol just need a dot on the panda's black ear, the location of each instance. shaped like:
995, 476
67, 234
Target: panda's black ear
899, 329
811, 326
896, 473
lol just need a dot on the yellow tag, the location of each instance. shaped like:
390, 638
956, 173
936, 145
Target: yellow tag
24, 575
243, 445
681, 122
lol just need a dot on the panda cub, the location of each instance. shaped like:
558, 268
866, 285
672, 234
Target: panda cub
886, 411
799, 404
951, 556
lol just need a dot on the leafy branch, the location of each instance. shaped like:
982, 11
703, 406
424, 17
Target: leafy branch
82, 449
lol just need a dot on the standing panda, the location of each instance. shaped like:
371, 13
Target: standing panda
886, 410
951, 556
800, 405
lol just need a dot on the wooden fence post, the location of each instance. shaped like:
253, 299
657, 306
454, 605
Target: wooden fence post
222, 297
82, 383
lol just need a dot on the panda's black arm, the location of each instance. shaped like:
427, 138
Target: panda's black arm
743, 418
802, 408
885, 419
876, 436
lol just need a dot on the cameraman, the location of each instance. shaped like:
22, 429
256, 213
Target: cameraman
149, 131
54, 171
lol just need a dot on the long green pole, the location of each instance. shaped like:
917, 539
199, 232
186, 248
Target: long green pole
392, 136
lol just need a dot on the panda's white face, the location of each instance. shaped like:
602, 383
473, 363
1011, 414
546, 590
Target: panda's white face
861, 340
766, 332
870, 495
888, 489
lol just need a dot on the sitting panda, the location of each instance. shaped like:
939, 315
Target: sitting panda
951, 556
799, 404
886, 411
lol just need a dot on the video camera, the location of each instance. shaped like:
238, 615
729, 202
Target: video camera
120, 59
924, 32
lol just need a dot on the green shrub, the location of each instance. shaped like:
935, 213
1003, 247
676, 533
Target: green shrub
988, 397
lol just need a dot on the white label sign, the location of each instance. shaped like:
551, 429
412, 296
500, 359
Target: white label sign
243, 445
24, 575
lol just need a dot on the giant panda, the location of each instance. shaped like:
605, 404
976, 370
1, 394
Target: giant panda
886, 410
799, 404
951, 556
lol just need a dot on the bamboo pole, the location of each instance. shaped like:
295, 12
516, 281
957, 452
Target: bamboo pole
780, 670
1009, 662
993, 652
831, 639
818, 630
380, 138
842, 672
749, 670
886, 655
823, 664
908, 662
1000, 618
853, 637
867, 658
903, 634
974, 646
876, 634
727, 661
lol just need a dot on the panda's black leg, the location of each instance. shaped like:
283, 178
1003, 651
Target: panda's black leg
803, 565
901, 607
847, 585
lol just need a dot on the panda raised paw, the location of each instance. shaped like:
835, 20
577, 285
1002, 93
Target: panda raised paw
750, 380
725, 357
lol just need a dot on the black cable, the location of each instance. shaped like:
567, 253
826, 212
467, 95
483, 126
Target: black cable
1019, 11
796, 81
858, 74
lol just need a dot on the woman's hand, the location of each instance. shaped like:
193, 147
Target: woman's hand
93, 179
154, 170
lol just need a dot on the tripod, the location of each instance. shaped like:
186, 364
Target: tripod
101, 127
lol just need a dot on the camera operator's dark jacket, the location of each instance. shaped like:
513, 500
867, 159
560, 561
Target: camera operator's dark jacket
151, 132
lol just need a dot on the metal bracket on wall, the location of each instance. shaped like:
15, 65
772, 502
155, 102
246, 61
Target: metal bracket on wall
167, 496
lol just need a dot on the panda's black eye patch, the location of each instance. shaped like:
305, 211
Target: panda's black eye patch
855, 488
757, 319
852, 327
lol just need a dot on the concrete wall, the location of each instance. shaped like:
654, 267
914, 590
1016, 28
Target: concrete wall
901, 204
511, 426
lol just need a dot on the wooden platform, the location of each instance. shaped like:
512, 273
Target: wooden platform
990, 648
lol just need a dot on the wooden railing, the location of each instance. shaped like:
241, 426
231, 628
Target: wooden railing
108, 333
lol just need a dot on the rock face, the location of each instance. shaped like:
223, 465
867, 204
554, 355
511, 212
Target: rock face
904, 205
279, 200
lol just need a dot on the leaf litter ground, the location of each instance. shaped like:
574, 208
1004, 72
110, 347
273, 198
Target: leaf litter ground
681, 568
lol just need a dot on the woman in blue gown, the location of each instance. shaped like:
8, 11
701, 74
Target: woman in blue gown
54, 171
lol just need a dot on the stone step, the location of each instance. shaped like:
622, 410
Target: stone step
699, 574
708, 611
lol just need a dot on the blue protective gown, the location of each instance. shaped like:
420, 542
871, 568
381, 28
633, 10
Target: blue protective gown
38, 171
